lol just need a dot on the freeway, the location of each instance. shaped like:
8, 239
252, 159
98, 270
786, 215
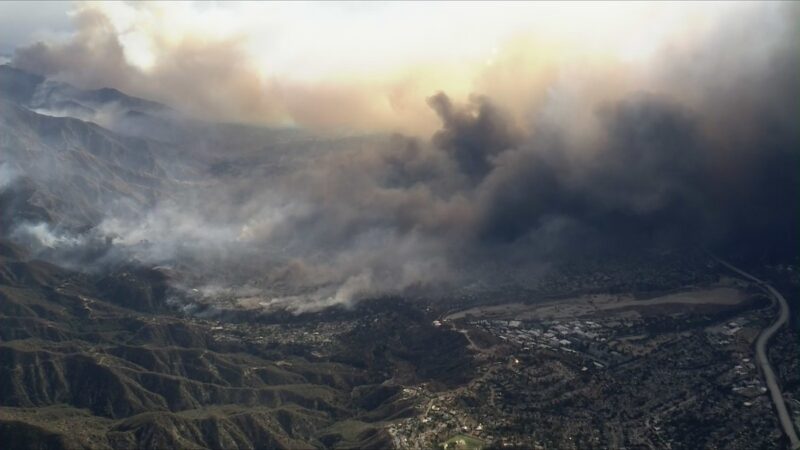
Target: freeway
761, 354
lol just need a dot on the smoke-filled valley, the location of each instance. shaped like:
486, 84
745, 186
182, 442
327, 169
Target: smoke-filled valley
303, 219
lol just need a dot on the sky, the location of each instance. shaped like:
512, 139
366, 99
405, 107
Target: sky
359, 65
22, 23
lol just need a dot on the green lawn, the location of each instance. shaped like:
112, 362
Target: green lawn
462, 442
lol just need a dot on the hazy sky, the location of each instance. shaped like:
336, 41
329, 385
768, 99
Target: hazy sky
312, 39
357, 65
24, 22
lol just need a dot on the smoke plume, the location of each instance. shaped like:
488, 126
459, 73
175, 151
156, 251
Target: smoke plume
699, 146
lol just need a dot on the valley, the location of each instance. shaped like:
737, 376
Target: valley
83, 369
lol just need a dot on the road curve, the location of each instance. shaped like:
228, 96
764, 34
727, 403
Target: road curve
763, 360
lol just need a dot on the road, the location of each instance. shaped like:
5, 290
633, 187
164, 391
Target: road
763, 360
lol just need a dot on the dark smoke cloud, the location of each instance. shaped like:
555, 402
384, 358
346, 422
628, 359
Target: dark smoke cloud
647, 167
658, 176
473, 135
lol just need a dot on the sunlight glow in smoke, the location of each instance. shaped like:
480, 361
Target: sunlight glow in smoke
381, 60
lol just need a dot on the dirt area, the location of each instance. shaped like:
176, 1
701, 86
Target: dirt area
593, 304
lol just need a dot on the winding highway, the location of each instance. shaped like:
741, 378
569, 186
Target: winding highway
763, 360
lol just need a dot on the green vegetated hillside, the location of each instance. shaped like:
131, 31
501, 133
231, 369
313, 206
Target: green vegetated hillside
100, 362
